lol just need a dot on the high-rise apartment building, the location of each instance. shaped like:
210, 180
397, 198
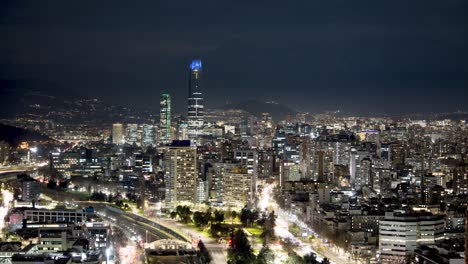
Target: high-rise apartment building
249, 159
237, 187
165, 119
117, 134
180, 162
195, 113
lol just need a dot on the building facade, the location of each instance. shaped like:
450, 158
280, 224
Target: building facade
180, 162
400, 234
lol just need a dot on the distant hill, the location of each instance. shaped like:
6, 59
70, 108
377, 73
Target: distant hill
15, 135
33, 98
256, 108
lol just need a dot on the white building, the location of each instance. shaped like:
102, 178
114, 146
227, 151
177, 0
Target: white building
53, 216
400, 234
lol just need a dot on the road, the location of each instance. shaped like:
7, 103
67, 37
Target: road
285, 219
217, 251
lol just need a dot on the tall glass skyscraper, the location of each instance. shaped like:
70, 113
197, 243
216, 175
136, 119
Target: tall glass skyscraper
195, 101
165, 119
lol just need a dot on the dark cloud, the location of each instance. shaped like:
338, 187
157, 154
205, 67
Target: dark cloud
360, 56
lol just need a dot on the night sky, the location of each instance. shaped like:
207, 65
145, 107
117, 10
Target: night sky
357, 56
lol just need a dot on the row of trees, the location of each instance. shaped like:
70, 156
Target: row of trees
211, 219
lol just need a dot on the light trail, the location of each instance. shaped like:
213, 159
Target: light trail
7, 199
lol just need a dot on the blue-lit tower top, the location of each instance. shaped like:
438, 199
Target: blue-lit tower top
196, 65
195, 115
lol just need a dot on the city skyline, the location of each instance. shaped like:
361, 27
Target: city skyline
358, 57
237, 132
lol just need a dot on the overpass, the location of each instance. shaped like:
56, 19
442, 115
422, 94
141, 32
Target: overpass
6, 176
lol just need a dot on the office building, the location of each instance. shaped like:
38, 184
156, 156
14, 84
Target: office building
132, 134
165, 119
195, 112
117, 134
147, 136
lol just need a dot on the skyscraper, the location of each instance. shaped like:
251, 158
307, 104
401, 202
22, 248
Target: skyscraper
132, 134
147, 138
195, 101
117, 134
165, 119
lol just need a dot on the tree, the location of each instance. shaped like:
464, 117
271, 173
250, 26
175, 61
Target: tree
293, 258
248, 216
233, 215
310, 258
200, 219
268, 221
203, 253
64, 184
98, 196
241, 251
173, 215
184, 213
217, 230
52, 184
218, 216
265, 256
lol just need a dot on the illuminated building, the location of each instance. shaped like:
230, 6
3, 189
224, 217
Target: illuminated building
400, 234
180, 162
143, 163
117, 134
249, 159
267, 121
132, 134
165, 119
360, 166
195, 113
54, 216
147, 138
237, 185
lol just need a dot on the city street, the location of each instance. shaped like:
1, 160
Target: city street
285, 219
